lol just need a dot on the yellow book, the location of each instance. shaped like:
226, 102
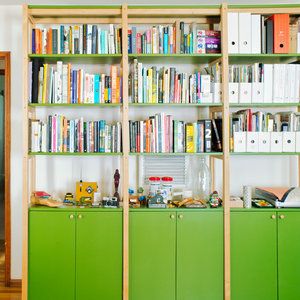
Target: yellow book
189, 137
149, 79
45, 84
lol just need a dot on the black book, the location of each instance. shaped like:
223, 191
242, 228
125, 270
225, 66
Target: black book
207, 135
84, 37
54, 41
36, 64
216, 143
84, 136
50, 133
270, 36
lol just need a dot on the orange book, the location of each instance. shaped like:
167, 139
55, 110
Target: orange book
37, 41
49, 41
281, 25
118, 90
147, 148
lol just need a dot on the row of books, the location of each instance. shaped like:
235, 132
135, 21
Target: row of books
162, 134
247, 120
178, 38
167, 85
60, 134
253, 33
259, 83
77, 39
62, 83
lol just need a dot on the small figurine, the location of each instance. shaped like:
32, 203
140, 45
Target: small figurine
117, 181
214, 199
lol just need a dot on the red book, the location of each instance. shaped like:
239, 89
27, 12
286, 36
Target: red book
281, 33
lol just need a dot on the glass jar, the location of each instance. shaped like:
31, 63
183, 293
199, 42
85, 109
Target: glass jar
154, 185
203, 181
167, 186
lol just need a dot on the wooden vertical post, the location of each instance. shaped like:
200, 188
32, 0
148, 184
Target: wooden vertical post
226, 157
25, 155
125, 134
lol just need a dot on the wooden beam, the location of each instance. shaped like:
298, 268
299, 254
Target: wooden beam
71, 13
125, 158
268, 10
25, 156
78, 20
171, 20
178, 12
226, 157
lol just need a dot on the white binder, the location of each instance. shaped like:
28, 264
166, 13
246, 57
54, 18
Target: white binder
233, 90
264, 139
233, 33
244, 33
268, 83
256, 33
276, 141
239, 141
217, 92
257, 92
288, 141
245, 91
252, 141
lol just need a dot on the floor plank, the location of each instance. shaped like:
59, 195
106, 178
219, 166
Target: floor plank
7, 293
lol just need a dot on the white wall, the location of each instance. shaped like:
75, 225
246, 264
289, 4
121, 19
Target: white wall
11, 40
253, 170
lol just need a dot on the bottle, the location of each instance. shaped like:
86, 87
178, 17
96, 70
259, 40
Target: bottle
202, 186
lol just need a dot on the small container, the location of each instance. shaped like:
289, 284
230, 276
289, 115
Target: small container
167, 186
247, 196
154, 183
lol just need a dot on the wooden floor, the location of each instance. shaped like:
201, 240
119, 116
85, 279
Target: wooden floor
7, 293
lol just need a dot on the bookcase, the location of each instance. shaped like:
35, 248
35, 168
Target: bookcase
125, 16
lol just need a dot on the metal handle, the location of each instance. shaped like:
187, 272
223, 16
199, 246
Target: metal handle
180, 217
281, 216
71, 217
172, 217
80, 216
273, 217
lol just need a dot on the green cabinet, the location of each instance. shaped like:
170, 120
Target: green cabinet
75, 255
288, 255
51, 255
265, 247
176, 255
199, 256
253, 256
152, 255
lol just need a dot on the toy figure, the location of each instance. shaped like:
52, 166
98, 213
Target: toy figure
117, 181
214, 199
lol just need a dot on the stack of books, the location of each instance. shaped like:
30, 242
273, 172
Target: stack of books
62, 83
167, 85
76, 39
162, 134
178, 38
60, 134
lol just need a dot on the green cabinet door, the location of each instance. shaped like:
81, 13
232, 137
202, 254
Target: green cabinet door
51, 256
288, 255
253, 256
99, 256
199, 255
152, 255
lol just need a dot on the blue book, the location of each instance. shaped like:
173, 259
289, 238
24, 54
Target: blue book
102, 136
96, 88
166, 40
33, 42
129, 43
62, 39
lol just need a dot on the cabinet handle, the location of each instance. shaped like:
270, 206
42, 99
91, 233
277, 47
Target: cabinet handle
273, 217
80, 216
282, 216
71, 217
172, 217
180, 217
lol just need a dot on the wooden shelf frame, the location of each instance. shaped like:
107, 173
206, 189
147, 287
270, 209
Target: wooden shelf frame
124, 16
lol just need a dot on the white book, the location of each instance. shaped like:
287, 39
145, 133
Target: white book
44, 41
44, 137
112, 39
233, 33
268, 83
155, 45
298, 42
35, 128
89, 39
140, 83
59, 86
256, 33
244, 33
51, 79
292, 83
65, 83
99, 40
81, 39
